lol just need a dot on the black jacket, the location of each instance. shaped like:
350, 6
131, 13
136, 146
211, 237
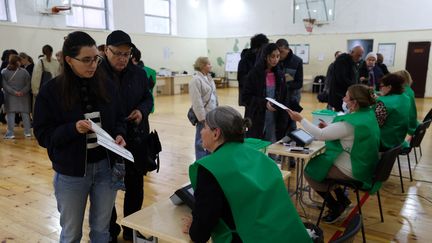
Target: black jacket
254, 96
247, 62
134, 90
54, 127
293, 65
345, 75
377, 72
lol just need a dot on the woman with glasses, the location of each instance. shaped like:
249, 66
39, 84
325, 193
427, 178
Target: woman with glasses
392, 111
352, 143
83, 169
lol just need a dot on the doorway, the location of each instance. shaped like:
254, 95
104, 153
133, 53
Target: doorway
417, 65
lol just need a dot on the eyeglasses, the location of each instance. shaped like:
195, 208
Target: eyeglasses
121, 54
89, 60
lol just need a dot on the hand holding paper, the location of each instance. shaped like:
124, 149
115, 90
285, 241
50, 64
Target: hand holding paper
105, 140
277, 103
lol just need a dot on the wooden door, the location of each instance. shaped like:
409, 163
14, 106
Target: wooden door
417, 65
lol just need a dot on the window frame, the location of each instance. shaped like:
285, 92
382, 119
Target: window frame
160, 17
83, 6
7, 11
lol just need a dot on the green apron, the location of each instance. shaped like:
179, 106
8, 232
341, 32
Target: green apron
151, 73
363, 154
395, 128
413, 123
260, 203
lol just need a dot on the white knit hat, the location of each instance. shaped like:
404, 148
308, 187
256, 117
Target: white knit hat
371, 54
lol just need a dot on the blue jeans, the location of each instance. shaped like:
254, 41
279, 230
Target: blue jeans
72, 193
199, 150
11, 123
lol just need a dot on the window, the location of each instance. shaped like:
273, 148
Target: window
4, 11
158, 16
88, 14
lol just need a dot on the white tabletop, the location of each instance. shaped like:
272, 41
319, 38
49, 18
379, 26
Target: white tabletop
315, 148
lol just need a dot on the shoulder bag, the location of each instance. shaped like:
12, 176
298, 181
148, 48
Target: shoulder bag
191, 114
46, 76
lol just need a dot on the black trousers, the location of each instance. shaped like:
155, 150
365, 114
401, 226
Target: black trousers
133, 200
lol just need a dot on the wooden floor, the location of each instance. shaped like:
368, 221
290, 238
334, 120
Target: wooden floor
28, 207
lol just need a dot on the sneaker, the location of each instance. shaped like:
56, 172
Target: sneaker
27, 135
9, 136
334, 216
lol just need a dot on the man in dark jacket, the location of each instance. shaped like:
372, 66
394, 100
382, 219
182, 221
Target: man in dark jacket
292, 66
137, 103
346, 73
247, 61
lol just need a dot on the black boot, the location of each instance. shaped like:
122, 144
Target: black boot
341, 197
335, 209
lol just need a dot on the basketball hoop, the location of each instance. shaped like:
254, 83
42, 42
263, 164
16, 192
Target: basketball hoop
309, 23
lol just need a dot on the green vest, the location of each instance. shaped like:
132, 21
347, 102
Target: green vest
260, 203
395, 128
151, 74
413, 123
363, 154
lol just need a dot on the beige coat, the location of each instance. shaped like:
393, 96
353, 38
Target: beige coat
201, 91
52, 67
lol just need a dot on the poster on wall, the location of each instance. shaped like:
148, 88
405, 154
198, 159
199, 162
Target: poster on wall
231, 61
301, 51
388, 51
367, 45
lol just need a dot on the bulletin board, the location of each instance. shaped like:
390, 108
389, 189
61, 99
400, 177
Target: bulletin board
302, 51
388, 51
231, 61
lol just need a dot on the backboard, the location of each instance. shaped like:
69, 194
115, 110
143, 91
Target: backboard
49, 7
320, 11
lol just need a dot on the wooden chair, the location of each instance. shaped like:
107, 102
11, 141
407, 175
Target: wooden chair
381, 174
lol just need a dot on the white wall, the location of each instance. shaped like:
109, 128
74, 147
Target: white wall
215, 27
234, 18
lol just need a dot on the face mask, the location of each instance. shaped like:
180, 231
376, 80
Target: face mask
345, 107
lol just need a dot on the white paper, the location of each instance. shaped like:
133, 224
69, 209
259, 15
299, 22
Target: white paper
277, 103
105, 140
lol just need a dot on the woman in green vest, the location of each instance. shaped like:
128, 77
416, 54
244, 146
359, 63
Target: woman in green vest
352, 143
413, 123
392, 111
239, 194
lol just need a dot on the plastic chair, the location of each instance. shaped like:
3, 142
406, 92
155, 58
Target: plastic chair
351, 230
415, 142
426, 118
381, 174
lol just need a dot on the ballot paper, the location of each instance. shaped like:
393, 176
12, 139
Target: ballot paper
105, 140
277, 103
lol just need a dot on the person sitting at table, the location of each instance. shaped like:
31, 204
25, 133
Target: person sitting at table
408, 91
352, 143
392, 111
240, 195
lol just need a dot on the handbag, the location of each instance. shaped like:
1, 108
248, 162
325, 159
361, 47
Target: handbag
145, 147
192, 117
46, 76
191, 114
